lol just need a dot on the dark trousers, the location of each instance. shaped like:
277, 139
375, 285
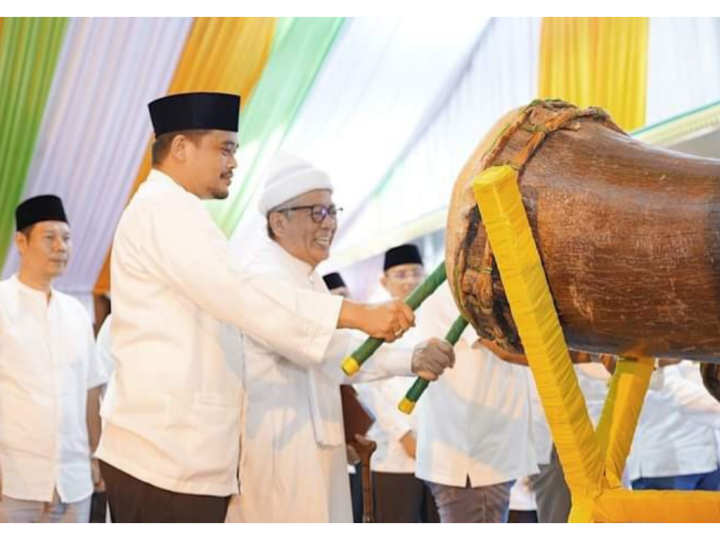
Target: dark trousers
356, 493
552, 494
134, 501
523, 516
402, 498
688, 482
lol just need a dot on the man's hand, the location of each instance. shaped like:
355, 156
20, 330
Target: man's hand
351, 454
387, 321
98, 482
431, 357
409, 444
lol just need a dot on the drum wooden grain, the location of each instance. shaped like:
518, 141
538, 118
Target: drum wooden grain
629, 236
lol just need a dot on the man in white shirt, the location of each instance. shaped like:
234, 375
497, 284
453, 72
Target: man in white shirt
674, 445
49, 379
293, 466
474, 430
170, 448
400, 497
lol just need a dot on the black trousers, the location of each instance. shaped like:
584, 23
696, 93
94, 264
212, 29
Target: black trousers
134, 501
402, 498
356, 493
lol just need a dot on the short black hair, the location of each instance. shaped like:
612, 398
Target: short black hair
27, 231
161, 146
270, 232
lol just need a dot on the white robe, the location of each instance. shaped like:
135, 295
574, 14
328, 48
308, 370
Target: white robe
293, 463
178, 302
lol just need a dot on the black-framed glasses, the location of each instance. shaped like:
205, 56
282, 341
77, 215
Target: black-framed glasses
401, 275
318, 212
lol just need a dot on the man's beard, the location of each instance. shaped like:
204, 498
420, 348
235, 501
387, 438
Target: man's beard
220, 195
220, 191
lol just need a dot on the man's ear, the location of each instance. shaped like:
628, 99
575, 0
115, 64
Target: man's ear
21, 242
178, 147
277, 224
383, 282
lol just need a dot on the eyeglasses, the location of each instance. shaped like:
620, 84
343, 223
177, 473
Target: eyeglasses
416, 273
318, 212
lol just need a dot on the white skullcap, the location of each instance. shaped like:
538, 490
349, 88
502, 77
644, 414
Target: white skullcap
288, 177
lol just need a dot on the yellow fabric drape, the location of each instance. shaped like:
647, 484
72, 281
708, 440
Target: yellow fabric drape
597, 61
221, 55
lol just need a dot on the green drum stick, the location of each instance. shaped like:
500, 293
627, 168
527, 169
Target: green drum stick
351, 365
416, 390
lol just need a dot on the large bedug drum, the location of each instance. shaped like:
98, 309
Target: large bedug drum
628, 234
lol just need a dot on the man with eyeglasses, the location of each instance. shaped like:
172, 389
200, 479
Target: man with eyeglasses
400, 497
169, 451
293, 466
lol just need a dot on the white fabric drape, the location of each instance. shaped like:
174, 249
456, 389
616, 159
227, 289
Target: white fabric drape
501, 73
683, 65
95, 128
